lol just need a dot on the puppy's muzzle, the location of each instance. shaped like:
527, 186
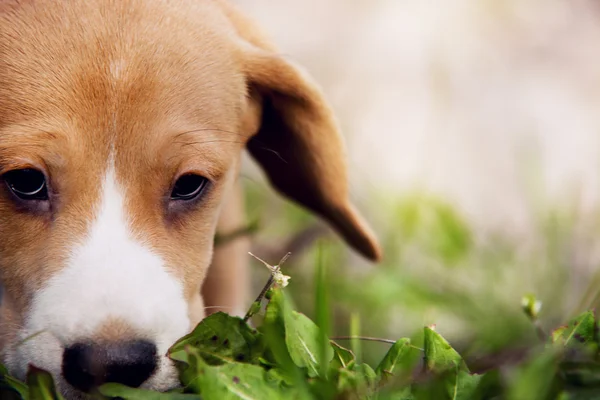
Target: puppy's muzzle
88, 365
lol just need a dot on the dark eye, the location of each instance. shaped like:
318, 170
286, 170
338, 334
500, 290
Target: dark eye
188, 187
27, 184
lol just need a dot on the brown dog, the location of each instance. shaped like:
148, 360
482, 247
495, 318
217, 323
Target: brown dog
122, 123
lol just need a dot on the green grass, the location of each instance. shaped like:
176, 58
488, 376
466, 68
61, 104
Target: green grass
289, 356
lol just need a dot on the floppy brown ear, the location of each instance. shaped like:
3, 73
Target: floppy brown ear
297, 140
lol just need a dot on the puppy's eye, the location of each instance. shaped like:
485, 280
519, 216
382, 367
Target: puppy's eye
27, 184
188, 187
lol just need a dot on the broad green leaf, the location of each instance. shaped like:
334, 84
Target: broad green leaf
400, 359
439, 355
221, 337
462, 385
274, 375
454, 381
7, 382
187, 363
235, 381
303, 340
302, 337
127, 393
273, 329
581, 329
454, 384
41, 385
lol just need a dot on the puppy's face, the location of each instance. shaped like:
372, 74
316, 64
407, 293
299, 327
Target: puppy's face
121, 128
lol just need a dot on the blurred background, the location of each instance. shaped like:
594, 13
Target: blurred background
473, 133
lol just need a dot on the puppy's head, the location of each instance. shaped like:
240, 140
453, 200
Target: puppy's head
121, 129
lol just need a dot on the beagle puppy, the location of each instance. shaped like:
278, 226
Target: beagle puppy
122, 124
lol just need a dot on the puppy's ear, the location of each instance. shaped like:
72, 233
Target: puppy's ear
296, 139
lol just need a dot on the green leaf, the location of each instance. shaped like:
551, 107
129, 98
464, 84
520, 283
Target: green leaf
340, 373
439, 355
303, 340
462, 385
400, 359
366, 373
302, 337
558, 334
342, 357
8, 383
235, 381
347, 381
41, 385
223, 338
359, 380
187, 364
452, 371
581, 329
128, 393
273, 330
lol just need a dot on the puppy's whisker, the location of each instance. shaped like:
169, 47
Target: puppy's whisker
28, 338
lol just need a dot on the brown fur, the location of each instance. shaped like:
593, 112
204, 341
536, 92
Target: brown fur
169, 87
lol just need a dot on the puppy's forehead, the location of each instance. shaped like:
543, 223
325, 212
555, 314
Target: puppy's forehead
103, 63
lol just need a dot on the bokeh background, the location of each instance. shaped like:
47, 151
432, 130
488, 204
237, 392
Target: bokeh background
473, 133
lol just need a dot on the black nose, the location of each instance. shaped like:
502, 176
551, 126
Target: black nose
86, 365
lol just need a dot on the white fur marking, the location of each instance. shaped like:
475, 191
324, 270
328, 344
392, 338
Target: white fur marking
109, 275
